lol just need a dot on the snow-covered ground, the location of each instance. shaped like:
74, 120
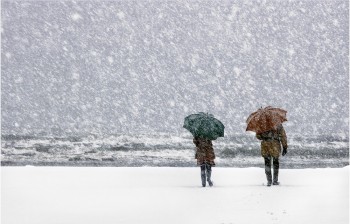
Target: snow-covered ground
42, 195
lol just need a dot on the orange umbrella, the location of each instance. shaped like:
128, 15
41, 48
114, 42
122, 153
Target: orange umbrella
266, 119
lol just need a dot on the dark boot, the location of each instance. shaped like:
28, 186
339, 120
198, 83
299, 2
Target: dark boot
268, 170
276, 166
203, 175
208, 168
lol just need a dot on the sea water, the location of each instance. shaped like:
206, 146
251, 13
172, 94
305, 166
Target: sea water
169, 150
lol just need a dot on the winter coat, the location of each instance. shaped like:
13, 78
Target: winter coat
204, 151
271, 142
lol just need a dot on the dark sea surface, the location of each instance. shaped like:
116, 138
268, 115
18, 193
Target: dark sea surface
165, 150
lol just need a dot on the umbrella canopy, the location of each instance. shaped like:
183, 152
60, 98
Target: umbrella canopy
204, 125
266, 119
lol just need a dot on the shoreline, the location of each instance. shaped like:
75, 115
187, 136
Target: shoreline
283, 165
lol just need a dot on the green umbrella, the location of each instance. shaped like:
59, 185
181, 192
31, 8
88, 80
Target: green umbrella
204, 125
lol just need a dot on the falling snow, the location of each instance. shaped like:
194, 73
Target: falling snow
141, 67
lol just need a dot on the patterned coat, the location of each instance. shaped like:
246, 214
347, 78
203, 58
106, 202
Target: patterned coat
204, 151
271, 142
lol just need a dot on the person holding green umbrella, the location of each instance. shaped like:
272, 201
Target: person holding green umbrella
204, 128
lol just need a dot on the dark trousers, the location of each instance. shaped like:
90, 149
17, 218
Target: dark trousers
276, 166
205, 173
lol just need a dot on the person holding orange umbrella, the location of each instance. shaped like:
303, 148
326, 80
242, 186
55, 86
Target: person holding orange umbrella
267, 123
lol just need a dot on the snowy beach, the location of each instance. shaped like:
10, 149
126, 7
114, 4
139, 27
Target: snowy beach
95, 96
41, 195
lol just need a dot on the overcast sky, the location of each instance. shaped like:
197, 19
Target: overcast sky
142, 66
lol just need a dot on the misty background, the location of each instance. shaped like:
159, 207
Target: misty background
142, 66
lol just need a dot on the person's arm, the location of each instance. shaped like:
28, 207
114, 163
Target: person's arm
212, 150
283, 138
258, 136
195, 141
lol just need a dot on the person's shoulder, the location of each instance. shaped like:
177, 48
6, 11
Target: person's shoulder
280, 127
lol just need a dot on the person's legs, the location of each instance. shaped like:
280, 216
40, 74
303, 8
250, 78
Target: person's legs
203, 174
208, 168
268, 170
276, 166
